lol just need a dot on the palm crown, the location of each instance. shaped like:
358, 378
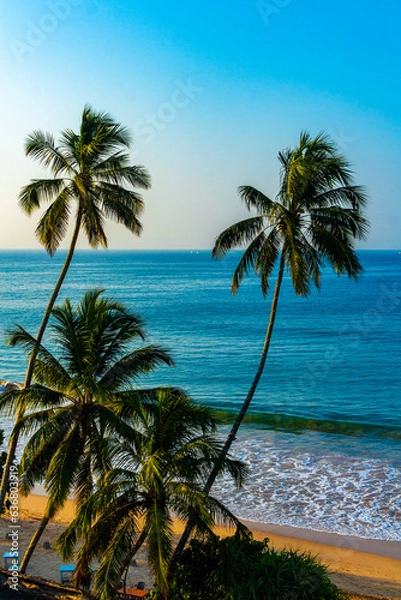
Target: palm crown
158, 473
81, 398
91, 167
80, 401
315, 218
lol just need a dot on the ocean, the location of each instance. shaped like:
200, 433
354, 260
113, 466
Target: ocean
323, 435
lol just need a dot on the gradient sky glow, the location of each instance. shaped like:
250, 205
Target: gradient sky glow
211, 91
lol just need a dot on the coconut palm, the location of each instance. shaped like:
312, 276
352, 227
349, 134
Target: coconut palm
82, 400
314, 220
162, 472
91, 170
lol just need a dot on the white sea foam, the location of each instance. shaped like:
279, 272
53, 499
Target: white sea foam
329, 491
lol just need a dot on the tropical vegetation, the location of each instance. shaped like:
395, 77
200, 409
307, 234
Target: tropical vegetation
82, 398
134, 456
91, 170
159, 473
241, 568
313, 222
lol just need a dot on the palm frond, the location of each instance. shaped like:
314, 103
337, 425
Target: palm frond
337, 252
121, 205
115, 170
93, 222
253, 198
342, 221
53, 224
160, 536
112, 424
247, 261
48, 369
41, 445
28, 399
62, 470
113, 561
41, 146
237, 235
11, 402
38, 191
266, 258
139, 362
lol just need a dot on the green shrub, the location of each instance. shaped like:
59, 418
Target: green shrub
241, 568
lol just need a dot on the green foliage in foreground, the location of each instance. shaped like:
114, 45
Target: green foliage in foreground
240, 568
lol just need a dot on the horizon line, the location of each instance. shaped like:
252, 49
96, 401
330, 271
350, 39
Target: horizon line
189, 249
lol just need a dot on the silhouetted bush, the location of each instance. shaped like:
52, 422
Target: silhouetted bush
241, 568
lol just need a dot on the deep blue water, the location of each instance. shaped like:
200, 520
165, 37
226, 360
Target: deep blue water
326, 418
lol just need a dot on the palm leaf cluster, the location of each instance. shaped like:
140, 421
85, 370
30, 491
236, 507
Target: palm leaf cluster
314, 220
90, 167
132, 456
77, 398
91, 170
159, 475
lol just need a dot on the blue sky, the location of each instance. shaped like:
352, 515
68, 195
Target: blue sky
211, 91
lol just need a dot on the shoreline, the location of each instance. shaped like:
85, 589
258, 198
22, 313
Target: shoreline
384, 548
357, 565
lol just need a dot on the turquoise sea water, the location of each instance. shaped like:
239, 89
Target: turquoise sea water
323, 438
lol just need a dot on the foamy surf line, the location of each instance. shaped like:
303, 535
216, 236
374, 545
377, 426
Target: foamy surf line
324, 491
290, 535
321, 482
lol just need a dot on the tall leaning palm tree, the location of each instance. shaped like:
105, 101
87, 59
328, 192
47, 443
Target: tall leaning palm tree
80, 402
314, 220
91, 171
158, 474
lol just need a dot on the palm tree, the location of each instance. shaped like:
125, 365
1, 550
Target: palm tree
80, 402
91, 169
314, 221
162, 472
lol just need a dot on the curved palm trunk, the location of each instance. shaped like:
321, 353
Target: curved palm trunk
34, 542
138, 544
231, 436
125, 566
13, 441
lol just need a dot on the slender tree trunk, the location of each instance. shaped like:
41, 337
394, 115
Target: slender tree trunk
13, 441
33, 543
138, 544
231, 436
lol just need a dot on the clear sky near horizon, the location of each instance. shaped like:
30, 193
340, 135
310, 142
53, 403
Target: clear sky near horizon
211, 92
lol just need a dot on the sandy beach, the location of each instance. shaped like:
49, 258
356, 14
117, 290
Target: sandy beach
371, 568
